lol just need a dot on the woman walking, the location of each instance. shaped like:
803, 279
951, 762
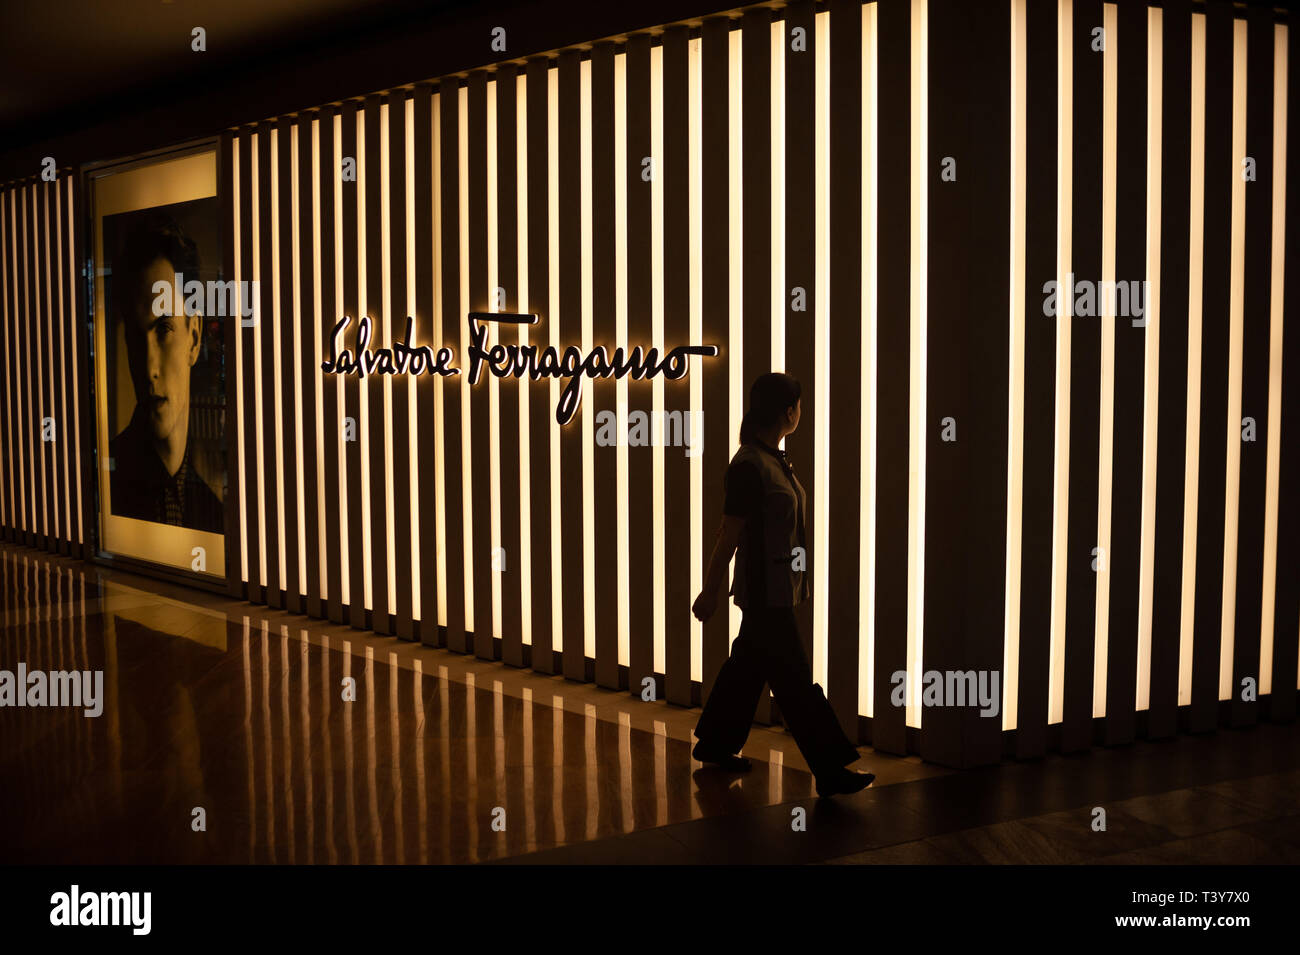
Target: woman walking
763, 524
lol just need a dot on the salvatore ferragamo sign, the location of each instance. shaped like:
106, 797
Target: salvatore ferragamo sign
505, 360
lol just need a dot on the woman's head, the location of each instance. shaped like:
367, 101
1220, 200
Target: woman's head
773, 402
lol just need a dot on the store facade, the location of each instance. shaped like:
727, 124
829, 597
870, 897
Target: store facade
462, 361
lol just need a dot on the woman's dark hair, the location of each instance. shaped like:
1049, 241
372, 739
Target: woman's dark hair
769, 397
152, 236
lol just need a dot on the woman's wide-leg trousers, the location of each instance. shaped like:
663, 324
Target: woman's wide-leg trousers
768, 650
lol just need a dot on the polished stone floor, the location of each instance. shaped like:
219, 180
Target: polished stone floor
240, 712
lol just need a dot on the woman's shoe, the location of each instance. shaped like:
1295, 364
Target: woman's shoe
731, 761
843, 782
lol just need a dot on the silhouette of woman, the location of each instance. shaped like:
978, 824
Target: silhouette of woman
763, 524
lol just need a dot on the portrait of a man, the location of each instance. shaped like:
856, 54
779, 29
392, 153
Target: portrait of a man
155, 471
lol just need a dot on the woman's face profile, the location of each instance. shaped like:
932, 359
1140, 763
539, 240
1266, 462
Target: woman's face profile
161, 349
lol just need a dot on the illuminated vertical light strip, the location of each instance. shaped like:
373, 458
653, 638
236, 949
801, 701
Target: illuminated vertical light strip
657, 339
1106, 309
553, 305
69, 488
1236, 307
363, 308
735, 317
920, 277
238, 411
54, 514
493, 335
340, 451
821, 333
277, 401
1016, 386
467, 489
317, 382
386, 188
1064, 324
36, 320
1278, 271
694, 192
295, 365
776, 97
588, 431
439, 430
525, 443
412, 405
76, 376
257, 348
1194, 305
620, 336
1151, 371
870, 291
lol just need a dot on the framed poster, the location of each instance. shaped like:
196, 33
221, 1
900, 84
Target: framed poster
159, 367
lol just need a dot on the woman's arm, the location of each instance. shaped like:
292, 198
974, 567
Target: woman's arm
723, 547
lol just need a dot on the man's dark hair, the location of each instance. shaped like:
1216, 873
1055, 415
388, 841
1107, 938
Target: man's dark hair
150, 236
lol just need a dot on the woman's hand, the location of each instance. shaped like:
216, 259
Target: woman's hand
705, 604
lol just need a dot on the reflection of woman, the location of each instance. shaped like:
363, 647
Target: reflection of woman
763, 522
152, 475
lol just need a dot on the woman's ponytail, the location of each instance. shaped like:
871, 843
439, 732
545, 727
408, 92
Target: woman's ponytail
769, 397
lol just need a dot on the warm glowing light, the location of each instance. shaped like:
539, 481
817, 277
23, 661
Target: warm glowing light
1016, 385
1236, 305
1277, 273
870, 291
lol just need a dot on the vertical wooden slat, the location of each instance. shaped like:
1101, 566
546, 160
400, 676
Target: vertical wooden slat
352, 449
43, 334
401, 384
480, 489
1251, 494
569, 325
967, 372
847, 348
428, 448
453, 321
640, 473
1039, 381
7, 408
230, 337
756, 216
714, 277
893, 382
58, 368
331, 311
247, 407
22, 349
1220, 167
31, 339
288, 396
672, 170
1175, 185
315, 340
274, 529
81, 278
6, 456
801, 262
1286, 619
510, 570
1124, 557
1085, 383
540, 411
601, 396
375, 451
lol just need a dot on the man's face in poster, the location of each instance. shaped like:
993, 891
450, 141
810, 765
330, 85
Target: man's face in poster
162, 345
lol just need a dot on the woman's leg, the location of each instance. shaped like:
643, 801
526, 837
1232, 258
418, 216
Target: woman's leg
729, 710
807, 714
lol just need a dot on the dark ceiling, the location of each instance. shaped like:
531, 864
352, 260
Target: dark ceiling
85, 80
63, 60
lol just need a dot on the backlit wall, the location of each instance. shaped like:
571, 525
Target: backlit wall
1096, 510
